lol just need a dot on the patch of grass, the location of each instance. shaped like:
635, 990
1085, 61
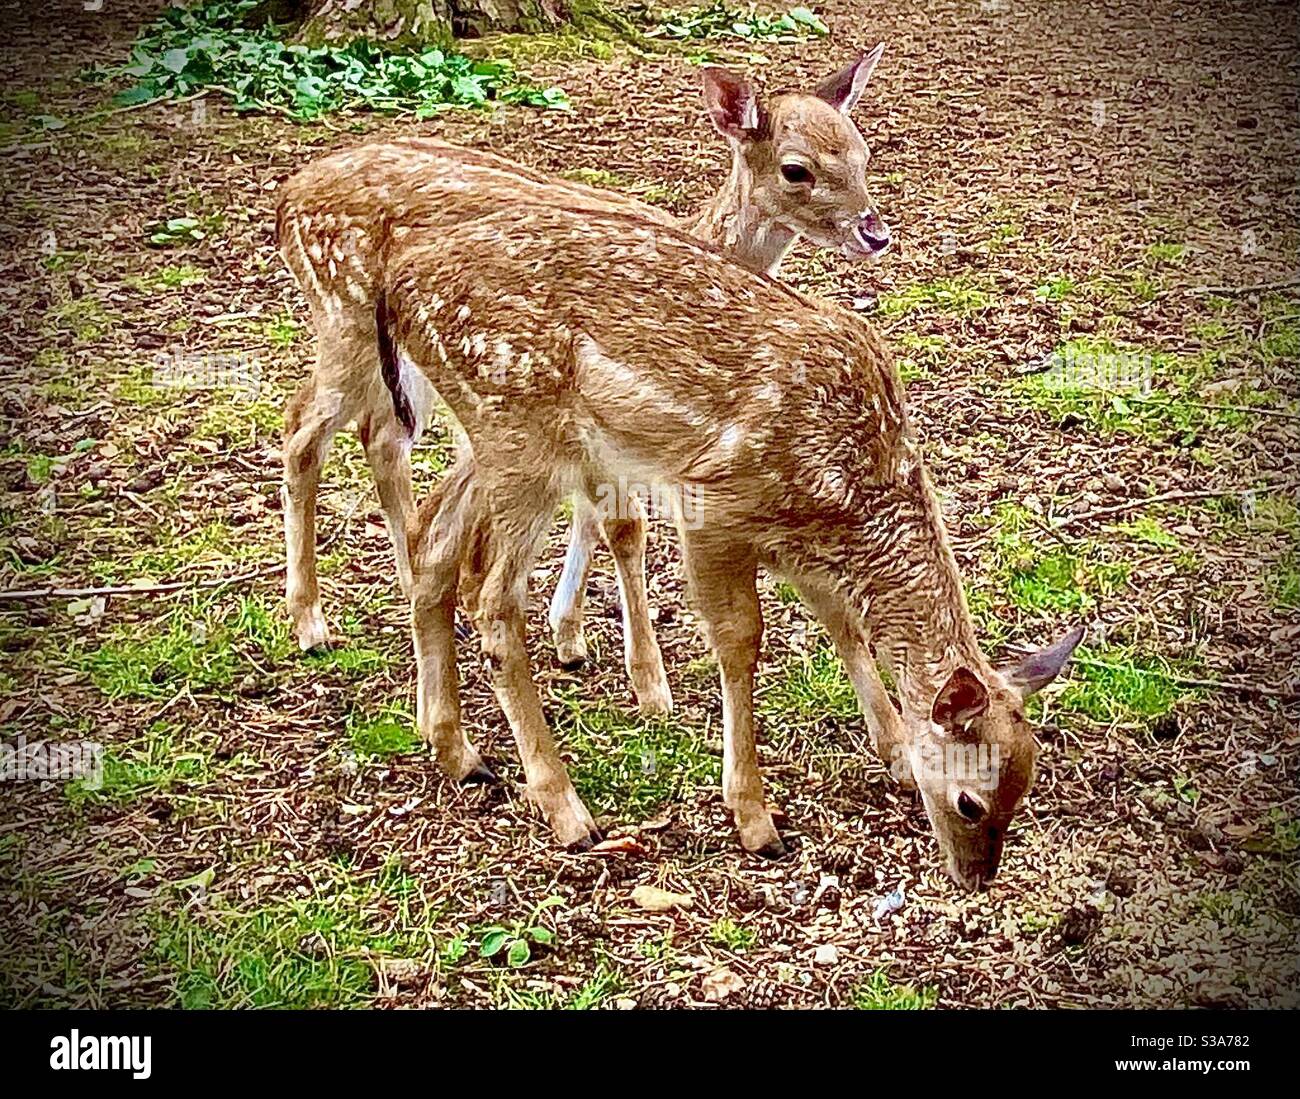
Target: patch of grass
1043, 576
1126, 391
657, 194
384, 735
1284, 583
632, 765
200, 650
812, 687
292, 952
283, 331
960, 296
1166, 253
594, 993
1235, 908
164, 759
208, 46
721, 20
879, 993
1121, 685
1146, 528
925, 355
84, 319
170, 277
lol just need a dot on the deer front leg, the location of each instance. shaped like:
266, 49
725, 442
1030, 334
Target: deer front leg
567, 603
311, 421
500, 622
438, 537
626, 538
848, 635
724, 591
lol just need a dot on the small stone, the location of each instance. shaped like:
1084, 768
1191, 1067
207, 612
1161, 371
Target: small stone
826, 954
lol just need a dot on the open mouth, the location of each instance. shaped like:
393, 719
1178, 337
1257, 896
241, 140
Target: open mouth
870, 244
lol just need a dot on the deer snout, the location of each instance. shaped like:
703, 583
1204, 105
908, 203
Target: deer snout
872, 233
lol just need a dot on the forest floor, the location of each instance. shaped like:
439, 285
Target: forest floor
269, 831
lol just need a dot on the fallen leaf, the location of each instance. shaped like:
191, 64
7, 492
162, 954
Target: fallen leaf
660, 900
622, 845
720, 984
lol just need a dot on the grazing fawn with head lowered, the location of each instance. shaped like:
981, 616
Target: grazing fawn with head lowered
780, 418
797, 169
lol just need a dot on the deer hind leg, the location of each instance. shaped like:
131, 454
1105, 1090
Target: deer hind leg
313, 417
849, 637
440, 536
626, 538
519, 519
388, 452
722, 580
567, 603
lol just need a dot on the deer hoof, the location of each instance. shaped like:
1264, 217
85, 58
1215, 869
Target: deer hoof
481, 775
311, 631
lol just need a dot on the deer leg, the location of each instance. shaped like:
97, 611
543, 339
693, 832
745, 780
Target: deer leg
849, 637
626, 538
439, 536
723, 588
499, 619
311, 420
388, 451
567, 603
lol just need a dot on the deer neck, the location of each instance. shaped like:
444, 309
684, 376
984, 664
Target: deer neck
733, 223
912, 600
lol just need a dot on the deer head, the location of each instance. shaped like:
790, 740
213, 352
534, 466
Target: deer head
972, 757
801, 158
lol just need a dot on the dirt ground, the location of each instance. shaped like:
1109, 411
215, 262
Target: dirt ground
1071, 178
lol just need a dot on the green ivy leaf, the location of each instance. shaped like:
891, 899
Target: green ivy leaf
492, 943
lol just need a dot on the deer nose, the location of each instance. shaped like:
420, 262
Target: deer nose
872, 232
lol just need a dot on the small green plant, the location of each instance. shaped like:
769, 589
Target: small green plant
1057, 289
183, 230
210, 46
732, 935
1186, 789
879, 993
720, 20
1166, 253
515, 942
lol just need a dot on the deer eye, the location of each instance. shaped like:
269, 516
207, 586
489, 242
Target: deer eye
796, 173
970, 807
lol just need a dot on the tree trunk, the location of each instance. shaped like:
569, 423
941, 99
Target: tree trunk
406, 23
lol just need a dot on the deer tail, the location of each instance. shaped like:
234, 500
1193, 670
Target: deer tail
390, 365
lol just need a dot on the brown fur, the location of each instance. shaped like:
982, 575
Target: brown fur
339, 217
782, 415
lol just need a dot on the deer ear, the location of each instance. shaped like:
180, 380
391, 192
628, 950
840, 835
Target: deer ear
959, 701
843, 90
1038, 669
731, 102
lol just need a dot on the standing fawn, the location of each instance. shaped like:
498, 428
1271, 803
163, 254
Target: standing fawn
797, 169
779, 417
